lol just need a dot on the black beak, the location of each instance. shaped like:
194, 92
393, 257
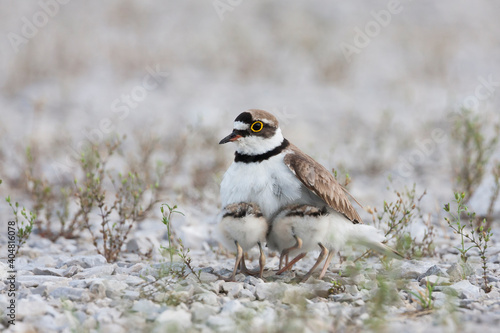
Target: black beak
230, 138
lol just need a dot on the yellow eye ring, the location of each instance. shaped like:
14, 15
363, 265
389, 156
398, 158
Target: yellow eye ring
257, 129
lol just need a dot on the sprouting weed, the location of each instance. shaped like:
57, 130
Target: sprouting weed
167, 221
477, 237
473, 151
24, 227
424, 299
495, 193
396, 219
336, 288
178, 249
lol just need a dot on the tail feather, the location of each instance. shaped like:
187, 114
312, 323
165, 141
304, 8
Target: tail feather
383, 249
372, 238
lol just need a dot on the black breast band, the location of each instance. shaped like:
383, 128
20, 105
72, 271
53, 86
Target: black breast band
262, 157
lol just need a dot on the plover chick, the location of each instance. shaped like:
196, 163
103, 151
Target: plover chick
242, 226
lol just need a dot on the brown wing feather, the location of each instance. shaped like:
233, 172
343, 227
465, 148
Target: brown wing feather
321, 182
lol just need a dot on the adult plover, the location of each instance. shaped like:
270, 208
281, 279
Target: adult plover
273, 173
241, 227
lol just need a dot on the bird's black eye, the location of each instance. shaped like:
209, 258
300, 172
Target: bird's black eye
257, 126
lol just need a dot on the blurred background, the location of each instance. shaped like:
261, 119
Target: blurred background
367, 87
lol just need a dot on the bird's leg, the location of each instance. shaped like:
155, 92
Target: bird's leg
245, 270
281, 261
243, 266
239, 256
327, 263
262, 260
283, 256
297, 258
285, 252
322, 255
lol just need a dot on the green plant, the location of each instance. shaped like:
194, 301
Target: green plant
182, 252
386, 294
347, 178
94, 187
24, 227
168, 274
478, 237
397, 217
473, 150
336, 288
495, 193
425, 299
167, 221
117, 216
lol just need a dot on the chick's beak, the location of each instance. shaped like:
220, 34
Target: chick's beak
230, 138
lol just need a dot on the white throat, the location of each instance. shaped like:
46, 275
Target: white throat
255, 145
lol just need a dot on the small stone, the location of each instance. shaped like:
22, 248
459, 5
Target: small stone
40, 290
209, 270
30, 281
32, 306
365, 316
351, 289
434, 270
46, 261
439, 299
216, 286
147, 308
492, 278
435, 280
134, 280
112, 328
131, 294
412, 269
70, 271
232, 288
107, 315
318, 288
74, 294
142, 245
176, 320
85, 261
97, 271
460, 271
359, 302
48, 271
136, 268
207, 277
233, 306
114, 289
252, 280
97, 289
202, 312
245, 293
208, 298
270, 291
466, 290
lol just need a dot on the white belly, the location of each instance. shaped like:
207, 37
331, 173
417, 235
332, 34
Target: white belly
270, 184
247, 231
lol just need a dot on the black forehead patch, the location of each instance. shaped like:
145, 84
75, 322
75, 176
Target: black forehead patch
244, 117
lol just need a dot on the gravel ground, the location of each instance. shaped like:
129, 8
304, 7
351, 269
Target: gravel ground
179, 73
63, 286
